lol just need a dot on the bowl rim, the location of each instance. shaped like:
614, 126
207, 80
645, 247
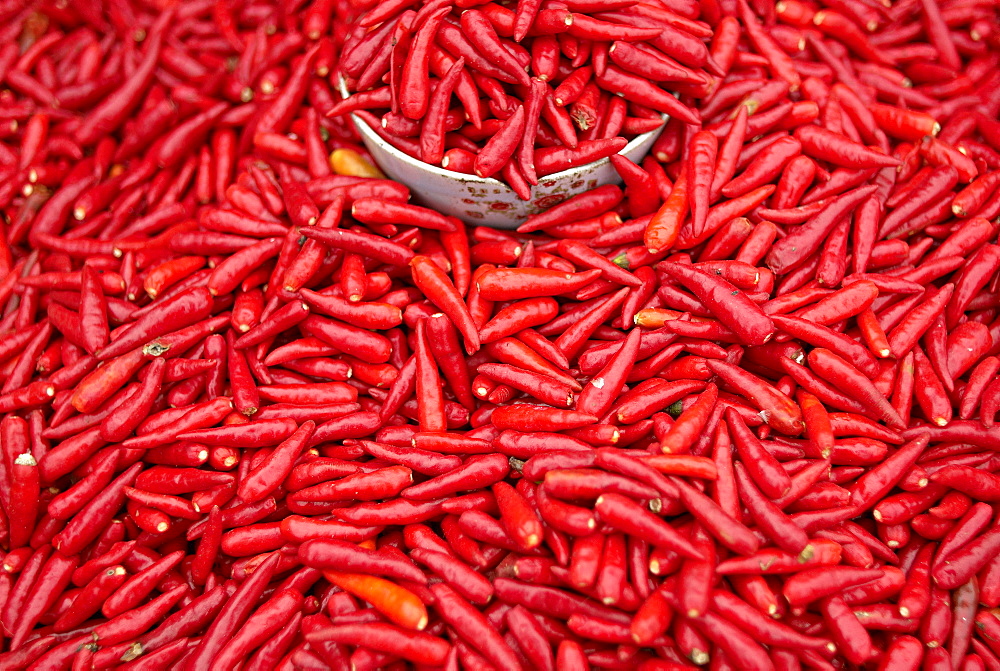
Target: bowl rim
486, 182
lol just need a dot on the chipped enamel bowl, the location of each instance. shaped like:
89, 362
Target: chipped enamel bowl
490, 202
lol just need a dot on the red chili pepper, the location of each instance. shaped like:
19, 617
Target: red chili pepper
781, 412
700, 163
641, 91
726, 302
804, 241
501, 147
432, 280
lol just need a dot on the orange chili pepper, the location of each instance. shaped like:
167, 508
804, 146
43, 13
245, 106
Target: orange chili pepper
397, 603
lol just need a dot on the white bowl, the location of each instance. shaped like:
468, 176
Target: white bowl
490, 202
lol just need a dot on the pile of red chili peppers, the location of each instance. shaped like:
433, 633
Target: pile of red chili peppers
260, 411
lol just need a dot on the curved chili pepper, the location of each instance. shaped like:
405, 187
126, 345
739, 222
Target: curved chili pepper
550, 160
904, 336
473, 627
846, 378
501, 147
804, 241
642, 92
433, 282
588, 204
113, 111
726, 302
780, 411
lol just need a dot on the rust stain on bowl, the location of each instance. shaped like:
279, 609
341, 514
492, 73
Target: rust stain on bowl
546, 202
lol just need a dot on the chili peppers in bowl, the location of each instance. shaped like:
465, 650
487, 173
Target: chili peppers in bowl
487, 201
260, 410
564, 87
